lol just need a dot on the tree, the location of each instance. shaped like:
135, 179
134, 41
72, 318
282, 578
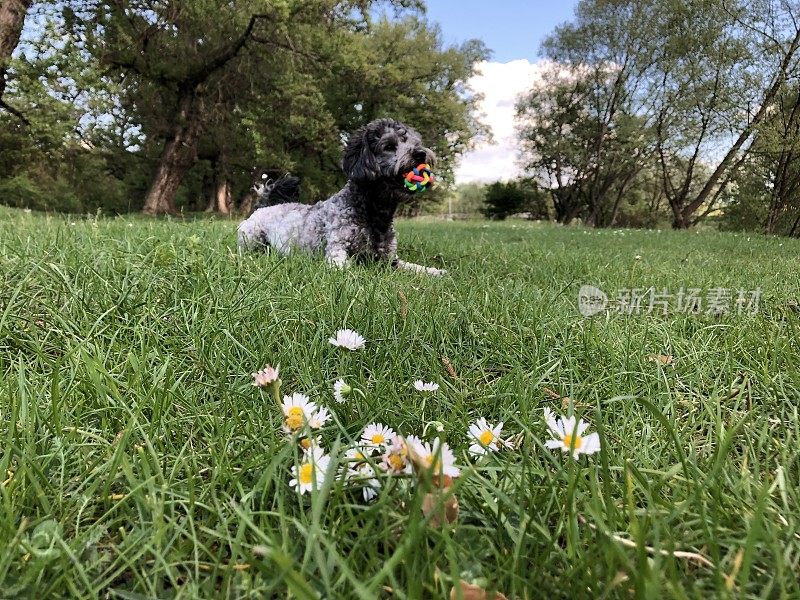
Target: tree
695, 76
143, 40
580, 142
504, 199
12, 20
766, 188
403, 69
188, 104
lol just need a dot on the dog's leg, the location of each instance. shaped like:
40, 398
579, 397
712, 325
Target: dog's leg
336, 256
409, 266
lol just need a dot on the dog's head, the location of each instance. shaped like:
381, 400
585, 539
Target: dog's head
384, 150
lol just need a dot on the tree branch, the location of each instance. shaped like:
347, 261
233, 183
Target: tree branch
14, 111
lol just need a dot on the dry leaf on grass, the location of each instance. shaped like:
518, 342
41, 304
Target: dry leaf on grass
403, 304
440, 511
448, 366
473, 592
662, 359
440, 505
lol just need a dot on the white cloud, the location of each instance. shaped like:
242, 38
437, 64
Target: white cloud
500, 84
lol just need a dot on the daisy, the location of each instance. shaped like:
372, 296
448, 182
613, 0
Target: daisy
310, 473
360, 469
420, 386
486, 436
377, 434
348, 339
341, 390
321, 416
437, 457
570, 435
395, 459
368, 478
266, 376
357, 454
310, 443
297, 411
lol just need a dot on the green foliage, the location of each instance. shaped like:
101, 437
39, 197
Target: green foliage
503, 199
467, 200
654, 91
101, 83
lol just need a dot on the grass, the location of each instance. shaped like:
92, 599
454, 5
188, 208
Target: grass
137, 460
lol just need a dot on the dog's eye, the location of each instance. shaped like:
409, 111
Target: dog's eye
390, 146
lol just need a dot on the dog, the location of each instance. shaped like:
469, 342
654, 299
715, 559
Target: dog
356, 223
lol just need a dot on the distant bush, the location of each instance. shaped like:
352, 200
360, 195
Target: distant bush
515, 197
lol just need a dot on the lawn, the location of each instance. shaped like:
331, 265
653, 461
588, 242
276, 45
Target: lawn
137, 460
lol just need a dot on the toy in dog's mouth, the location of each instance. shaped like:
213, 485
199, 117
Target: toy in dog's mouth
419, 179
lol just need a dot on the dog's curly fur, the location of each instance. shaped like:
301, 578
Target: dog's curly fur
355, 224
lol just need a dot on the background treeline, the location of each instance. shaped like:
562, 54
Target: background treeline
646, 112
182, 105
653, 111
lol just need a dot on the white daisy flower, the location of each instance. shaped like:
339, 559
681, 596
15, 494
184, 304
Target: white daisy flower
309, 444
368, 478
297, 411
377, 434
348, 339
421, 386
437, 457
358, 454
321, 416
266, 376
570, 435
395, 459
310, 473
360, 469
487, 437
341, 390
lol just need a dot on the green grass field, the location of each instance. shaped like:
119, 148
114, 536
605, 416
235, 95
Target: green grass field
138, 461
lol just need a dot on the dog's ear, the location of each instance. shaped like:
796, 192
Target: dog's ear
358, 160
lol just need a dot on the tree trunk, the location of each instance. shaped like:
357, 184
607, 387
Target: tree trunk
222, 185
223, 193
12, 19
722, 168
178, 156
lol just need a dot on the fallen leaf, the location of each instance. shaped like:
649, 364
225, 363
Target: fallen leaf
448, 366
473, 592
403, 304
554, 395
440, 505
663, 359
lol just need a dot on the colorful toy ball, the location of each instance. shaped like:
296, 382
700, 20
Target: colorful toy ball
419, 179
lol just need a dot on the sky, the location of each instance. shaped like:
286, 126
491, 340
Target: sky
513, 30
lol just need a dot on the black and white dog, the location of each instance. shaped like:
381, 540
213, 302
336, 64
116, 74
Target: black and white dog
355, 224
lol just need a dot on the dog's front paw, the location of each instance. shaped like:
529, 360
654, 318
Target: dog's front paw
434, 272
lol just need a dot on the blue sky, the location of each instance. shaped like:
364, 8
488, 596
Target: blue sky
513, 29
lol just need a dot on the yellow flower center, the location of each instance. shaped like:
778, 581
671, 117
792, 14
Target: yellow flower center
378, 438
396, 462
486, 438
305, 443
568, 443
294, 418
306, 473
434, 466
